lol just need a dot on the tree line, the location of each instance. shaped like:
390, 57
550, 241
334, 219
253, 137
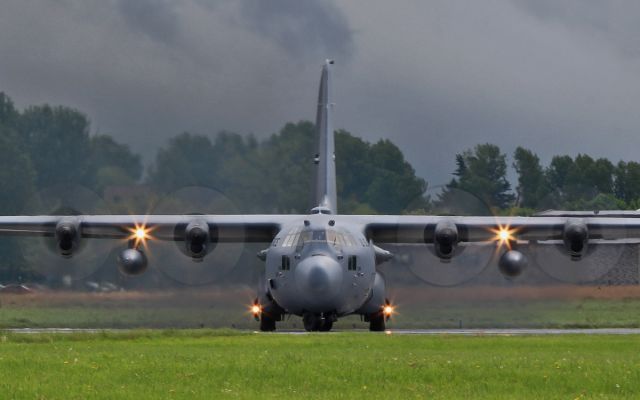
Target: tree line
44, 146
570, 183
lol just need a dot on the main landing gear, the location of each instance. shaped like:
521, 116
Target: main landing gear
267, 315
267, 324
377, 320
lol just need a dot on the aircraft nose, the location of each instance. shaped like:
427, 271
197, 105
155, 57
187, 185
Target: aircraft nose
319, 280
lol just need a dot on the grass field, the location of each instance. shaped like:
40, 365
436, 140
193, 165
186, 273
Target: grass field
520, 307
227, 364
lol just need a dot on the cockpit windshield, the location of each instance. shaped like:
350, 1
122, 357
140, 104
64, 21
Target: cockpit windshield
298, 237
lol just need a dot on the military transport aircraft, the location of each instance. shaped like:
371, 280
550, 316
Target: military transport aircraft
322, 266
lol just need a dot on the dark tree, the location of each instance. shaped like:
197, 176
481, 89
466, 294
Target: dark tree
532, 185
575, 182
57, 141
482, 172
113, 163
186, 161
627, 182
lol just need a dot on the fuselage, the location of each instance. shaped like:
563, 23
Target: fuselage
319, 265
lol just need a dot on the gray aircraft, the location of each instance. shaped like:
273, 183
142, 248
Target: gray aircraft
323, 266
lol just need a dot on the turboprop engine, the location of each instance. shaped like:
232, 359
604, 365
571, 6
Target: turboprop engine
575, 238
445, 239
197, 239
67, 236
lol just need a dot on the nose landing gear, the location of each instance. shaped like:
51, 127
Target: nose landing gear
318, 322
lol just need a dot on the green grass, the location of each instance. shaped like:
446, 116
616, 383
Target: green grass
227, 364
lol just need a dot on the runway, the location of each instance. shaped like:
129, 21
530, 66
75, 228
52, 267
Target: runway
432, 332
515, 332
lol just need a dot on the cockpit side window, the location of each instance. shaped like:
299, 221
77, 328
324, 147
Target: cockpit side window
292, 237
348, 239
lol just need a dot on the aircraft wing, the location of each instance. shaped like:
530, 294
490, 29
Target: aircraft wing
570, 247
223, 228
425, 229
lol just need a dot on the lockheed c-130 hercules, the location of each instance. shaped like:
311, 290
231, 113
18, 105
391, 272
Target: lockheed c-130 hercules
323, 266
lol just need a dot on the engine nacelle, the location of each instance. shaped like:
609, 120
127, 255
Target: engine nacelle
67, 236
445, 239
575, 238
197, 239
512, 263
132, 262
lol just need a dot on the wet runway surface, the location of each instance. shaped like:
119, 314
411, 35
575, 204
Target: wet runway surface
516, 332
461, 332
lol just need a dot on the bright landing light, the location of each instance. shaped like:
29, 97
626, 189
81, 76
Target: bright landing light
140, 234
388, 310
504, 236
256, 309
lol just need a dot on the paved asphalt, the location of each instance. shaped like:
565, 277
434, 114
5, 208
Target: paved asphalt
463, 332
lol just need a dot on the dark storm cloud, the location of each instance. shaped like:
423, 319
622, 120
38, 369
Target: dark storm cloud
156, 18
452, 74
302, 28
615, 22
436, 77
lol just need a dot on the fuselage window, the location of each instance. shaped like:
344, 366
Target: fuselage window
275, 242
286, 263
353, 263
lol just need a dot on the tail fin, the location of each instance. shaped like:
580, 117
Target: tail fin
325, 165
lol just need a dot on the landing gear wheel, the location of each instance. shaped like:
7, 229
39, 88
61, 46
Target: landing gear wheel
267, 324
312, 323
326, 325
376, 322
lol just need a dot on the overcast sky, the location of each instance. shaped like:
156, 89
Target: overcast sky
435, 77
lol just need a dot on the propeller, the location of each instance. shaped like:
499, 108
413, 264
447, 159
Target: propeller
433, 264
65, 255
599, 257
577, 258
195, 258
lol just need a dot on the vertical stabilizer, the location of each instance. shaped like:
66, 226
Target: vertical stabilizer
324, 159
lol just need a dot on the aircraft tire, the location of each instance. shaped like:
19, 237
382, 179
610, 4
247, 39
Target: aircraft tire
312, 323
376, 323
267, 324
326, 325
